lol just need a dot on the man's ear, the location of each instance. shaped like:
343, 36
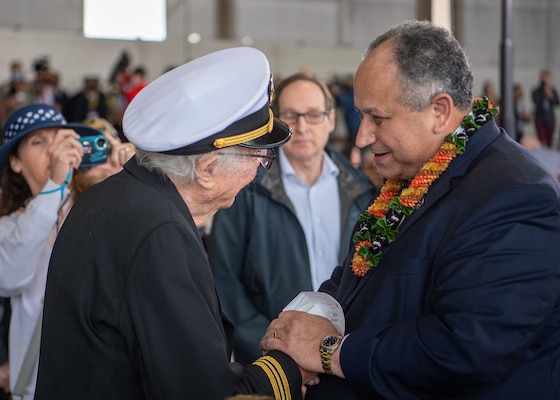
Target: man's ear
206, 169
15, 164
444, 115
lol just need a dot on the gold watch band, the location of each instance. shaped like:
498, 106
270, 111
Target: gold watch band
326, 361
328, 346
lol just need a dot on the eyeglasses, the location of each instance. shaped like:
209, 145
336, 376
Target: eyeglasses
266, 156
311, 117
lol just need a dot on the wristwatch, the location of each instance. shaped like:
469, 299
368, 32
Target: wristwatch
328, 346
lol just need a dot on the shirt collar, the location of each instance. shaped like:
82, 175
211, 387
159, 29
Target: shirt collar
329, 168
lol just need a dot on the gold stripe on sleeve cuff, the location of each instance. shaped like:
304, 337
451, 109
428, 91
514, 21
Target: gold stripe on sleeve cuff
277, 377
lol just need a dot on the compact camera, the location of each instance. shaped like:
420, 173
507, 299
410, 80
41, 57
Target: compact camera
96, 150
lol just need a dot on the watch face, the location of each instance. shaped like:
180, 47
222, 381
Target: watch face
330, 341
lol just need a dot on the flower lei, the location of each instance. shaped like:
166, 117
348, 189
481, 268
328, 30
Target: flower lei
380, 221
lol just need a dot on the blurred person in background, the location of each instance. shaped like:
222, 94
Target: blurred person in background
137, 83
45, 87
89, 101
521, 115
545, 99
15, 92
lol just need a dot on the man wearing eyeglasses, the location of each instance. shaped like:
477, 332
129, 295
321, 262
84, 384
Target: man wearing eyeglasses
287, 232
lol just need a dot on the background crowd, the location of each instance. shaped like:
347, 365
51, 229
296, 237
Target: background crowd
535, 107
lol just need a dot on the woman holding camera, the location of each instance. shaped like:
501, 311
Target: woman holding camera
37, 160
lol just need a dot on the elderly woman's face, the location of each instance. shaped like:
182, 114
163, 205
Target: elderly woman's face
232, 180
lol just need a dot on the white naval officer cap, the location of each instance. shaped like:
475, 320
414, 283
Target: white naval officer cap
218, 100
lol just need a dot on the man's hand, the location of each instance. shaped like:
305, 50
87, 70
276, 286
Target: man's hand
299, 335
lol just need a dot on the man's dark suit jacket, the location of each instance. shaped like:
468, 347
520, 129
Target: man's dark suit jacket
465, 302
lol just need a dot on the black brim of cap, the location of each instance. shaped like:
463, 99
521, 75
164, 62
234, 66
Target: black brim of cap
279, 135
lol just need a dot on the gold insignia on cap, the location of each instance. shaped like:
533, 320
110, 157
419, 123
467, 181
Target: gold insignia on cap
245, 137
271, 91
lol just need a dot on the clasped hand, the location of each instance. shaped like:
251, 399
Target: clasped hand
299, 335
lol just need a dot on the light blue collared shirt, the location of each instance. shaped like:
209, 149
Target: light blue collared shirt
318, 211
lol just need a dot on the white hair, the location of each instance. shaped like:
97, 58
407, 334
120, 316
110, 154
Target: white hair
184, 168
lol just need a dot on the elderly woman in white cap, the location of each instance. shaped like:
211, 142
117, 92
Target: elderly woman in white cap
37, 160
131, 311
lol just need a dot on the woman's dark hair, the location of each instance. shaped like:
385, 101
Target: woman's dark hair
15, 191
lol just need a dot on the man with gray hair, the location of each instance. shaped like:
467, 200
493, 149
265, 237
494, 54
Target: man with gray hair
452, 289
131, 311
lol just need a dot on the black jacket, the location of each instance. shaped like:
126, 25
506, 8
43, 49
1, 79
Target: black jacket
131, 311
